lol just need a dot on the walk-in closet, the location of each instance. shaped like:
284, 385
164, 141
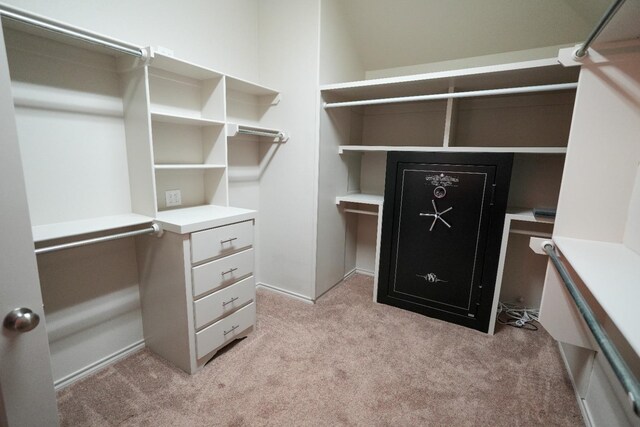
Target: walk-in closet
320, 212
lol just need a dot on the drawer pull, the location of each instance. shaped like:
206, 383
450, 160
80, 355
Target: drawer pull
222, 242
225, 303
224, 273
233, 328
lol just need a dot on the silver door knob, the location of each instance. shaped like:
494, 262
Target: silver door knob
21, 320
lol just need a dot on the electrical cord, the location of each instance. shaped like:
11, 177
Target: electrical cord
517, 316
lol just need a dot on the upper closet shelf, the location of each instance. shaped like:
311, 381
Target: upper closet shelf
532, 150
187, 166
234, 129
244, 86
197, 72
86, 226
184, 120
614, 287
455, 95
365, 199
183, 68
519, 74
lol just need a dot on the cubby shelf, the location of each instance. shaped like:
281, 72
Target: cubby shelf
187, 167
365, 199
184, 120
193, 110
244, 86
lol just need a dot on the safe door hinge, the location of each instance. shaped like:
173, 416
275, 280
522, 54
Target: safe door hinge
493, 194
477, 306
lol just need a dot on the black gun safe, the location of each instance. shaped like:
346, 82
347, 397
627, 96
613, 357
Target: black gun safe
442, 223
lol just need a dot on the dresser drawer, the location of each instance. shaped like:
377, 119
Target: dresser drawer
218, 304
225, 330
221, 272
221, 241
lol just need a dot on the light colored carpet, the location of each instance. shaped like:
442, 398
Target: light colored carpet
343, 361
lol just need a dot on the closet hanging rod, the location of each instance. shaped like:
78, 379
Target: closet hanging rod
154, 229
234, 129
448, 95
619, 366
35, 20
279, 135
582, 51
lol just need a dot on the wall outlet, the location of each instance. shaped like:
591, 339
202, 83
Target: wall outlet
173, 198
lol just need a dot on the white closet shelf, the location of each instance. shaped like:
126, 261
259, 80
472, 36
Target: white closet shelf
526, 214
181, 166
85, 226
188, 220
183, 68
526, 73
384, 148
184, 119
244, 86
365, 199
611, 272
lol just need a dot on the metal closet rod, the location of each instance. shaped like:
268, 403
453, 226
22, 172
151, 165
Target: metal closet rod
280, 135
154, 229
449, 95
619, 366
20, 15
581, 52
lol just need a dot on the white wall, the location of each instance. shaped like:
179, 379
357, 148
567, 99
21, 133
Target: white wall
220, 34
289, 50
339, 59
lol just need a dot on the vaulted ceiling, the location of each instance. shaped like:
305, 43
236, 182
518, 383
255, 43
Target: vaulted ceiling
407, 32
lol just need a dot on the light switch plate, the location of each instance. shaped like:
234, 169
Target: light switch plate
173, 198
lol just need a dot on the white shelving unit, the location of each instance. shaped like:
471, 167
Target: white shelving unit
597, 229
103, 136
534, 125
195, 113
83, 160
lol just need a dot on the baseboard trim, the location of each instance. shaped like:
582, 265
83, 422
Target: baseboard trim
583, 410
96, 366
285, 293
364, 272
